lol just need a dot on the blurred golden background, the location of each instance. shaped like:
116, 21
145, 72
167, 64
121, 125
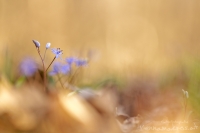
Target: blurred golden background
150, 46
129, 36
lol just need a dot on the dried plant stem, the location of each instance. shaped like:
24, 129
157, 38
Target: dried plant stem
51, 63
44, 54
73, 75
44, 71
59, 79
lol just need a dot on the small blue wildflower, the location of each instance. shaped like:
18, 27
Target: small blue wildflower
81, 62
60, 68
70, 60
28, 67
56, 68
37, 44
57, 52
65, 69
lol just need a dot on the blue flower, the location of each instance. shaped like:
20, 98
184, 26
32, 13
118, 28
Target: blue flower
60, 68
28, 67
56, 68
70, 60
81, 62
65, 69
57, 52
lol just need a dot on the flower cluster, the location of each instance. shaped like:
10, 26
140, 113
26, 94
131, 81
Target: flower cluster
60, 68
78, 61
66, 67
28, 66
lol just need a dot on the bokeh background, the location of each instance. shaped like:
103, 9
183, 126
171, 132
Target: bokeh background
149, 44
131, 36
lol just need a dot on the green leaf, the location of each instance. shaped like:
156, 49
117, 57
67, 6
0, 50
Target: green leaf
20, 81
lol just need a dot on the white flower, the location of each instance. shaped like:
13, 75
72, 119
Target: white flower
48, 45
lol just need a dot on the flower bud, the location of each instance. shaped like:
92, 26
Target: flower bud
48, 45
37, 44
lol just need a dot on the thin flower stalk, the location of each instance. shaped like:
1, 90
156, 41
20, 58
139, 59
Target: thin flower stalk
59, 79
44, 71
50, 63
47, 47
71, 79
